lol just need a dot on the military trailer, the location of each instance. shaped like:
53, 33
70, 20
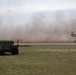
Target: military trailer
8, 46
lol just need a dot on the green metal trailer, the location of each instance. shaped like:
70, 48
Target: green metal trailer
8, 46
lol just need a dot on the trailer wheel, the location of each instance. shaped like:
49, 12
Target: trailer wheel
15, 51
1, 53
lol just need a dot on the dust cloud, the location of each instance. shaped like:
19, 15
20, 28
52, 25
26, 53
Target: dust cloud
40, 29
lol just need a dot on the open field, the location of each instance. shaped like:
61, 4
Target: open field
40, 60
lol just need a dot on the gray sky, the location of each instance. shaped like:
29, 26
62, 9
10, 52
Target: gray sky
29, 6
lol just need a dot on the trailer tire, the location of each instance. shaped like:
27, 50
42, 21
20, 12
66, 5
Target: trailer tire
15, 51
1, 52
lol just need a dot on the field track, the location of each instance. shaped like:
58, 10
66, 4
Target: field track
45, 44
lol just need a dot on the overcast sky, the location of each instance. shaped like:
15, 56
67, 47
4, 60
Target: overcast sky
29, 6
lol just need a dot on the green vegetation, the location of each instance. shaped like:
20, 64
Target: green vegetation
40, 60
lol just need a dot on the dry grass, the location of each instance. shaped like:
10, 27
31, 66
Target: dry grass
40, 60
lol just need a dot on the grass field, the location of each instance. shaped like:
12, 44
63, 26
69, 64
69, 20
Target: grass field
40, 60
